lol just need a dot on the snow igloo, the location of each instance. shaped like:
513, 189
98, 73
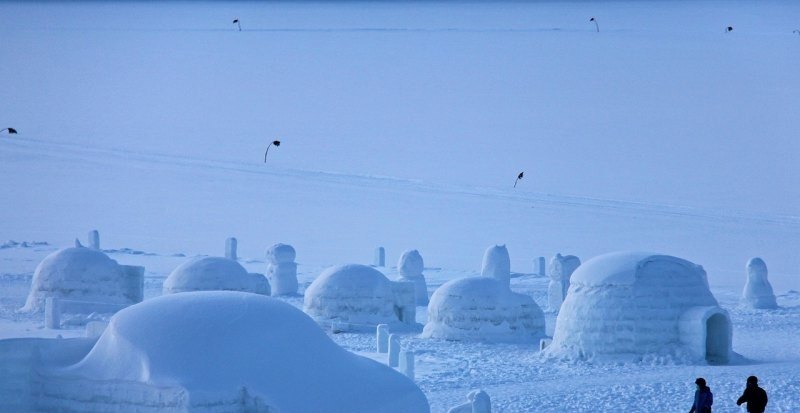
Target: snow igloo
484, 308
356, 297
214, 273
222, 351
631, 305
84, 274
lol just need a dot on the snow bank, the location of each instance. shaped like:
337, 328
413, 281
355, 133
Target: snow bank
359, 297
83, 274
758, 292
206, 348
410, 266
632, 304
484, 308
214, 273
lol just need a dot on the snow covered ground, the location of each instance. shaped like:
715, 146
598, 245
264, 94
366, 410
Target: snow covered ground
403, 125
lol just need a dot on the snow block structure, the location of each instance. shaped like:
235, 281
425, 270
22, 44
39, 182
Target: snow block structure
410, 267
478, 401
629, 305
209, 352
212, 274
281, 269
87, 275
358, 297
758, 292
561, 269
484, 308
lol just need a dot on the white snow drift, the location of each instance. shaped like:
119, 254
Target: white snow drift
410, 266
630, 304
214, 273
758, 292
484, 308
359, 297
84, 274
224, 351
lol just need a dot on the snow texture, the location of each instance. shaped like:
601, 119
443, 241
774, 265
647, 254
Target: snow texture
83, 274
560, 271
281, 269
358, 297
263, 356
214, 273
484, 308
758, 292
629, 304
410, 267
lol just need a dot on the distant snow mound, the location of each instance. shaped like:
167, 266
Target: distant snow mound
82, 274
484, 308
219, 345
629, 305
359, 297
212, 274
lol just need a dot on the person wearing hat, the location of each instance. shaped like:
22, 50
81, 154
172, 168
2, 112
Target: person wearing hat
703, 398
754, 396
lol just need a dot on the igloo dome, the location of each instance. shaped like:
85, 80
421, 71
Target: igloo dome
214, 273
86, 275
631, 304
359, 297
484, 308
217, 350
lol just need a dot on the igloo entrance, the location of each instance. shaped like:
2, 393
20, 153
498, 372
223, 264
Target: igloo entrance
717, 339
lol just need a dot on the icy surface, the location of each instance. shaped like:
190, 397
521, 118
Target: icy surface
214, 273
215, 343
79, 273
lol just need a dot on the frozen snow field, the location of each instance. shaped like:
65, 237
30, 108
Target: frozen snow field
404, 125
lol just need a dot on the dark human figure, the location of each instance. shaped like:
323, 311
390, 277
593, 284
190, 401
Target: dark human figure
754, 396
703, 398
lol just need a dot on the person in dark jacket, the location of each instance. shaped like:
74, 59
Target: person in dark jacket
703, 398
754, 396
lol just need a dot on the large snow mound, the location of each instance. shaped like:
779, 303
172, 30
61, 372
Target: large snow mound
215, 344
629, 304
214, 273
483, 309
359, 295
80, 273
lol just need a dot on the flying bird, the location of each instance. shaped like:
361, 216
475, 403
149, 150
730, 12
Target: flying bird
239, 25
595, 24
518, 178
276, 143
11, 131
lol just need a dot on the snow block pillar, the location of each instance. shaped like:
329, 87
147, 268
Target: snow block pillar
394, 350
230, 248
282, 270
94, 240
477, 402
133, 285
52, 313
407, 363
382, 338
380, 257
540, 266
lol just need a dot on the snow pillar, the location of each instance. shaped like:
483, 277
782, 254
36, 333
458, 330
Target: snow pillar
133, 284
758, 291
541, 265
380, 257
52, 313
94, 240
394, 350
407, 363
382, 337
410, 267
230, 248
497, 264
282, 270
481, 403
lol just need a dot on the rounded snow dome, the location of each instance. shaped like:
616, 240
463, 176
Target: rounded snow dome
483, 309
78, 273
352, 293
635, 303
214, 273
218, 345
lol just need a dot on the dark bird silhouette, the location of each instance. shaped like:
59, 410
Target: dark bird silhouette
239, 25
276, 143
11, 131
597, 26
730, 28
518, 178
